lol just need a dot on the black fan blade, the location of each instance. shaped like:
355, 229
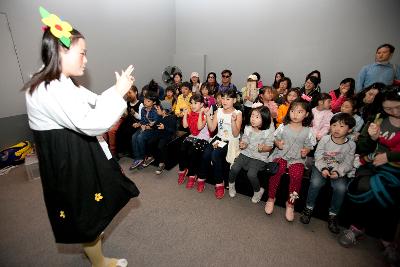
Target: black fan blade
166, 73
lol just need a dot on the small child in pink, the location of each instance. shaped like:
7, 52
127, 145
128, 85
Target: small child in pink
322, 116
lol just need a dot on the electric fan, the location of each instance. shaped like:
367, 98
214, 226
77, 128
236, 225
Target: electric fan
168, 74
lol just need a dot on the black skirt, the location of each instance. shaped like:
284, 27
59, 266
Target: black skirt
83, 191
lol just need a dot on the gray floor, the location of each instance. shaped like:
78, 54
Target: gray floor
169, 225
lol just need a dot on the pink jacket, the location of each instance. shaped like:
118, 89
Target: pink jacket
321, 122
336, 101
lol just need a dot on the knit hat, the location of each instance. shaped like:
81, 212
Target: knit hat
166, 105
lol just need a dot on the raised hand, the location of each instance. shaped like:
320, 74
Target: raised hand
124, 80
374, 131
207, 111
234, 117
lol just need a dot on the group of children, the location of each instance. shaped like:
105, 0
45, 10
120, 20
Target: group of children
257, 129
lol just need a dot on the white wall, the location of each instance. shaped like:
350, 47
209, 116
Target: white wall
118, 33
336, 37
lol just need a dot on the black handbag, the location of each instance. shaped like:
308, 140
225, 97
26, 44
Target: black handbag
272, 168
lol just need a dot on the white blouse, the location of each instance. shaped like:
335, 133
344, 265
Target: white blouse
63, 105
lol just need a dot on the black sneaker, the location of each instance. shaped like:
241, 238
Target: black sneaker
306, 215
332, 224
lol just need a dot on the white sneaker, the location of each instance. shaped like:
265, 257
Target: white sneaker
257, 196
232, 190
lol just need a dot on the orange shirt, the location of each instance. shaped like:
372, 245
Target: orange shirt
282, 110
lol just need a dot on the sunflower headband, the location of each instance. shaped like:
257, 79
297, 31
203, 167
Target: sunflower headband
60, 29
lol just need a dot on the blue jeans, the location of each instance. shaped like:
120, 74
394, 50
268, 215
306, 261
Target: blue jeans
338, 185
139, 140
217, 157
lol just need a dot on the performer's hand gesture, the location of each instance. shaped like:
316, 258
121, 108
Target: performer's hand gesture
124, 81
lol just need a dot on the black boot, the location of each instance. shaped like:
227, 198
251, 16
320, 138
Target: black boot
332, 224
306, 215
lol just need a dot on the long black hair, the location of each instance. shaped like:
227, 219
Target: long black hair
349, 93
306, 106
265, 117
51, 59
275, 85
390, 93
367, 110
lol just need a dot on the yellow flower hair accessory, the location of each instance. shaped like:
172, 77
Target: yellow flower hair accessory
60, 29
98, 197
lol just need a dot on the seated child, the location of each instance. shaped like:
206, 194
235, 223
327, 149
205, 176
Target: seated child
194, 145
322, 115
283, 88
227, 121
209, 100
165, 131
183, 102
119, 136
250, 95
349, 107
265, 97
292, 95
170, 96
149, 118
334, 158
293, 140
256, 143
341, 94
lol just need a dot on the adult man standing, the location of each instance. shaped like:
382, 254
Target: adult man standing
381, 71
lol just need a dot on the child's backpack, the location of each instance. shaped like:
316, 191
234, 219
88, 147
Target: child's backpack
15, 154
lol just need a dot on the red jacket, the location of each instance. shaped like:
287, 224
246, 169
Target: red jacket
336, 101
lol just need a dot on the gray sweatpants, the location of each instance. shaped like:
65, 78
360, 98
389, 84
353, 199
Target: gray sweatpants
252, 166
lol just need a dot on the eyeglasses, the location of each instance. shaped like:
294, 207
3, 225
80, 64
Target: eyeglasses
211, 77
225, 76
